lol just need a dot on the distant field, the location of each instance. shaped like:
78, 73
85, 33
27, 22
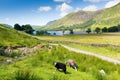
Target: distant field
109, 38
95, 43
42, 66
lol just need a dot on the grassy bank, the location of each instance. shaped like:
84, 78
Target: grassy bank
42, 66
11, 37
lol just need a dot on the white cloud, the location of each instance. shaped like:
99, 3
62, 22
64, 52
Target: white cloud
112, 3
45, 8
7, 19
68, 1
93, 0
90, 8
64, 9
77, 9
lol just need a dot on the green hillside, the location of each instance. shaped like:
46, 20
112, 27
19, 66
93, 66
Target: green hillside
11, 37
37, 27
108, 18
74, 18
83, 19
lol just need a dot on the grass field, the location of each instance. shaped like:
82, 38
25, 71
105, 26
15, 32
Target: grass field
42, 67
105, 51
113, 38
83, 42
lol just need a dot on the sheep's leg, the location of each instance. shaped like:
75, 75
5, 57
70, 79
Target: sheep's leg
75, 68
64, 71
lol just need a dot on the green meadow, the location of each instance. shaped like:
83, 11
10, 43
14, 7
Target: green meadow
112, 38
39, 64
41, 67
106, 44
109, 51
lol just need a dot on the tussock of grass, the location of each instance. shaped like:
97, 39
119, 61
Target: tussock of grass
25, 75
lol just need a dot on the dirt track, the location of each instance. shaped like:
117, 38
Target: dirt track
92, 54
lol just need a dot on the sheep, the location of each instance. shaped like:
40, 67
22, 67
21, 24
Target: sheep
72, 64
102, 72
59, 65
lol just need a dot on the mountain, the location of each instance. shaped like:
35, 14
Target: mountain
51, 22
37, 27
108, 18
7, 25
74, 18
84, 19
11, 37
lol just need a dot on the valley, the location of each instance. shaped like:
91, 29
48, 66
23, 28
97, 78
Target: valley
38, 38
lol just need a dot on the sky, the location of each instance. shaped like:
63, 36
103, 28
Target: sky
39, 12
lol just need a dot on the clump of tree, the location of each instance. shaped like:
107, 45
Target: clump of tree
88, 30
42, 32
18, 27
97, 30
105, 29
111, 29
26, 28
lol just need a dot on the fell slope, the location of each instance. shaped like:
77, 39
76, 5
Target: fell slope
74, 18
11, 37
103, 18
108, 18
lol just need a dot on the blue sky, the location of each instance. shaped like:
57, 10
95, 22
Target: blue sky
39, 12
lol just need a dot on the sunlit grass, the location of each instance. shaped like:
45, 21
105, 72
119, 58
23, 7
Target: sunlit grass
112, 39
11, 37
105, 51
42, 65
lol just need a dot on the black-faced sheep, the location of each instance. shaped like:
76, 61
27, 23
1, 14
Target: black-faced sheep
72, 64
59, 65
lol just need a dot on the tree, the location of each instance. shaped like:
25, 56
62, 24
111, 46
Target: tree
23, 27
113, 29
41, 32
71, 31
97, 30
88, 30
18, 27
104, 29
28, 29
118, 27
